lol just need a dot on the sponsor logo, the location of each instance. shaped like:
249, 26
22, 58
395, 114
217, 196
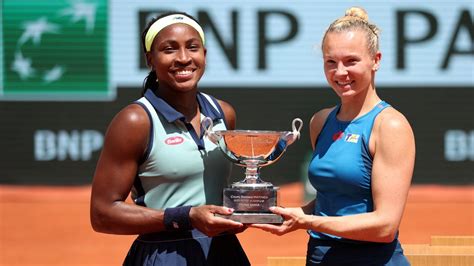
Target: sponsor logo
459, 145
354, 138
174, 140
337, 135
75, 145
55, 50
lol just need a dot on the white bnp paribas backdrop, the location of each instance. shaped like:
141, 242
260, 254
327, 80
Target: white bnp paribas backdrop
277, 43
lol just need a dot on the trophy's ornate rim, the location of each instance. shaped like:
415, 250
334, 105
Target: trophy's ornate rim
252, 132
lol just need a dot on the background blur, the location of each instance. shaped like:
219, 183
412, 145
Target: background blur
69, 66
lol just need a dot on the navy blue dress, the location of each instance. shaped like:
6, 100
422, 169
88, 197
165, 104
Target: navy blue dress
190, 248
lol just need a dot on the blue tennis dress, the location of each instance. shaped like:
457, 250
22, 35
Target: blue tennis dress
340, 170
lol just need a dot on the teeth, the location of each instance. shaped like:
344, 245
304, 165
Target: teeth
184, 72
344, 83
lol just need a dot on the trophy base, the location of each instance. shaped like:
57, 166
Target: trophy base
251, 204
254, 218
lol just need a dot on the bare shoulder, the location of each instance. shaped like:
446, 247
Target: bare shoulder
393, 133
225, 106
391, 120
132, 116
129, 129
229, 113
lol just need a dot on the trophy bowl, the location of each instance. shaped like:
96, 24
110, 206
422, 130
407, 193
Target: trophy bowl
252, 149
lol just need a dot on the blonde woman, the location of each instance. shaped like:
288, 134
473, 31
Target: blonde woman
363, 159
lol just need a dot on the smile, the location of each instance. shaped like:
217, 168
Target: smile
184, 72
344, 83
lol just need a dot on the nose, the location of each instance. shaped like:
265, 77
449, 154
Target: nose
341, 69
183, 56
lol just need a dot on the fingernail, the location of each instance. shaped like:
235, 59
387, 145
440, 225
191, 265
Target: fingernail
230, 209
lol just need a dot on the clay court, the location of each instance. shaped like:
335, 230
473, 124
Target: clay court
50, 225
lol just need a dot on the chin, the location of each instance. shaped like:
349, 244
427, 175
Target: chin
346, 94
186, 87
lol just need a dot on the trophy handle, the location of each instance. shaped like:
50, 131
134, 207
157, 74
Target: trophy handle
296, 126
207, 125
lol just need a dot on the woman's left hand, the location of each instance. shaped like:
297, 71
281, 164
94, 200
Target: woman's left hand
294, 218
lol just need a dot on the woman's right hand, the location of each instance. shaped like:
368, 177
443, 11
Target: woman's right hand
294, 218
203, 218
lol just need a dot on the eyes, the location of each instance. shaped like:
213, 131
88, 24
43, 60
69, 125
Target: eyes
347, 62
172, 47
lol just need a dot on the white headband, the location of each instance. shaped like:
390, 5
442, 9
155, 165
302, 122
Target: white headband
161, 23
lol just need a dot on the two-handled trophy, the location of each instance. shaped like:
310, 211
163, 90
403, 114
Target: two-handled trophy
252, 197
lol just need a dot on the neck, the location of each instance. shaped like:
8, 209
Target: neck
359, 105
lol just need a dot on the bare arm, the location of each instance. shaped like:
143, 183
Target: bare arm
392, 171
125, 143
394, 156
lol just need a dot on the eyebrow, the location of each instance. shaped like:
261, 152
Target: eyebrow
173, 40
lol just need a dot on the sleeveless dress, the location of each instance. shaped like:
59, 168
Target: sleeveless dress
182, 168
340, 170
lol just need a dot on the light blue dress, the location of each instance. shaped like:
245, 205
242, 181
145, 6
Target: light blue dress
341, 171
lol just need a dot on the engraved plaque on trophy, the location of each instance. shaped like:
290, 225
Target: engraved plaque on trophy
252, 197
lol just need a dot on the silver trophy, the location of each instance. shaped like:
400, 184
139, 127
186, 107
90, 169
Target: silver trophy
251, 197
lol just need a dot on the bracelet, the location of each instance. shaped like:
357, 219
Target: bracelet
177, 218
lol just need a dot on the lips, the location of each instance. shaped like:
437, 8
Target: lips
183, 75
344, 83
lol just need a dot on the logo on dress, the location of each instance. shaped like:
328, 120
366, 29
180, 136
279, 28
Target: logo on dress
174, 140
354, 138
337, 135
